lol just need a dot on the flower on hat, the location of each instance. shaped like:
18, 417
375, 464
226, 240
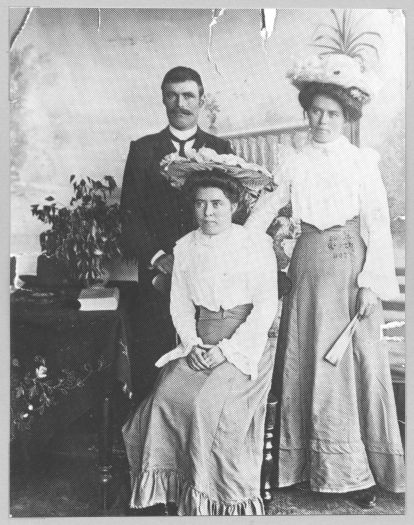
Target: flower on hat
359, 95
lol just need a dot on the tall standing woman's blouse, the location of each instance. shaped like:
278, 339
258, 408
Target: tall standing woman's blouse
329, 184
222, 271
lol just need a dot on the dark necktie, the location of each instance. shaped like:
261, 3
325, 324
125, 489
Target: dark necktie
181, 151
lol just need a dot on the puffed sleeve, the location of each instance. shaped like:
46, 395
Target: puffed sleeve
378, 272
268, 205
182, 308
246, 346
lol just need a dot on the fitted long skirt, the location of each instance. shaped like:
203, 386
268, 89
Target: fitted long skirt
197, 440
339, 425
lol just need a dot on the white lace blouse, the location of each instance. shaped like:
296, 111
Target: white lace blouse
328, 184
232, 268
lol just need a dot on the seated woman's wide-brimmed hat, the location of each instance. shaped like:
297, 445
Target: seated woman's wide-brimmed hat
336, 69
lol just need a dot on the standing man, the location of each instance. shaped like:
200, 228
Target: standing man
156, 215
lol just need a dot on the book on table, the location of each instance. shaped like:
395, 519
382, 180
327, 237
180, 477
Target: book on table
99, 299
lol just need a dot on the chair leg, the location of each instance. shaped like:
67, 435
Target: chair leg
267, 466
105, 450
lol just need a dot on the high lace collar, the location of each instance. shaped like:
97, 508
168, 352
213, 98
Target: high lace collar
219, 239
333, 146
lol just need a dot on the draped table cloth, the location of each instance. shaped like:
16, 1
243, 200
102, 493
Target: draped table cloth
63, 363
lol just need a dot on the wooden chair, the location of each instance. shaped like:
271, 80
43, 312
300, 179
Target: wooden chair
270, 424
267, 466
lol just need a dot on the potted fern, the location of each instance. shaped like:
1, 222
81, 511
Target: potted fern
342, 37
84, 235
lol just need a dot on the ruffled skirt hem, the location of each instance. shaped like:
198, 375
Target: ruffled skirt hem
152, 487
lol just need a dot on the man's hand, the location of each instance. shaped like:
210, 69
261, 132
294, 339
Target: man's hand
367, 301
214, 357
196, 359
165, 263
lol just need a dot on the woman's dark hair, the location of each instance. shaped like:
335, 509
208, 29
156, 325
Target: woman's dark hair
214, 178
181, 74
351, 106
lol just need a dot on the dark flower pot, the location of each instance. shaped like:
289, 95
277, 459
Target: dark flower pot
51, 273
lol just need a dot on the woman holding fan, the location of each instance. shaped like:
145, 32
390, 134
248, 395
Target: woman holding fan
339, 427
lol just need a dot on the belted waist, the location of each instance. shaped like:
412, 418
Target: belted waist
351, 224
238, 312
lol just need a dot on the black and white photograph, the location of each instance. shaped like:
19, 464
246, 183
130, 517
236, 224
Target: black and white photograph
207, 261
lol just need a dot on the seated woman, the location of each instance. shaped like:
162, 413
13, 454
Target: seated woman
197, 440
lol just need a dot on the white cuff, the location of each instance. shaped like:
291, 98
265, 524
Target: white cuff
158, 254
386, 287
234, 357
188, 345
179, 351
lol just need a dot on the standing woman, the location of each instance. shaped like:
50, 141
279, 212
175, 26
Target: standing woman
339, 426
197, 440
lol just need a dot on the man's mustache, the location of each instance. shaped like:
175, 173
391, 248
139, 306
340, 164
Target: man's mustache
180, 112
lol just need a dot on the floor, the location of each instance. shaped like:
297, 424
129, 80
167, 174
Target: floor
65, 482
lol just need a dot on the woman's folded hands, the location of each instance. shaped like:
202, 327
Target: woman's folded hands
205, 357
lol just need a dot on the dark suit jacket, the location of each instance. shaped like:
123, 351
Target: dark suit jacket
155, 214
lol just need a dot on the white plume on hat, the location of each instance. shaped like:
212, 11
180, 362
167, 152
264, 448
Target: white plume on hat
339, 69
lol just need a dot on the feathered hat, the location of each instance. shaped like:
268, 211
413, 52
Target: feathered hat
337, 74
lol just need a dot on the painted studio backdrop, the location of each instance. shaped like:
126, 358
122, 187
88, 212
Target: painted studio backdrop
85, 82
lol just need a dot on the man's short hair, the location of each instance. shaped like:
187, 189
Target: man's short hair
181, 74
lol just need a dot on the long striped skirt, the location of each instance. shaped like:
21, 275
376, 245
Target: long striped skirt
339, 425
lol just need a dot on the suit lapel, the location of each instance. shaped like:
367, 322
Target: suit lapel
164, 145
201, 140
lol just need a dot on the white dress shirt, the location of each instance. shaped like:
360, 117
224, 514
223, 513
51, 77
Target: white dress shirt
329, 184
225, 270
183, 134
